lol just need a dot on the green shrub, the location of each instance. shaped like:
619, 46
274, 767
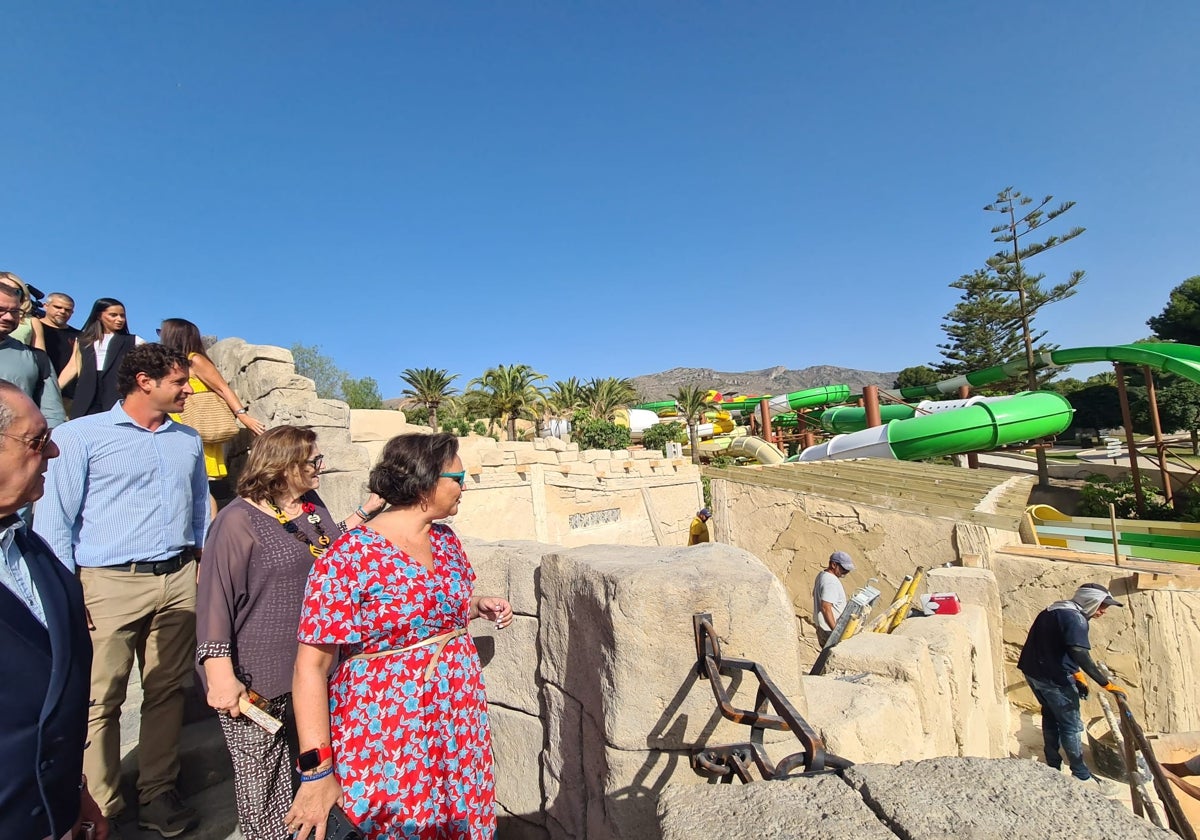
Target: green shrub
591, 433
1099, 491
660, 434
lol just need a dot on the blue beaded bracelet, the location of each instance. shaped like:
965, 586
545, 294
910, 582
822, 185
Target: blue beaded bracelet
328, 771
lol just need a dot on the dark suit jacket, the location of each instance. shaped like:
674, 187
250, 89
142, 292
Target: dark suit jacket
45, 676
97, 389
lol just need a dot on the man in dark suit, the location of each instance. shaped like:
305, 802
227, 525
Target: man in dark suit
45, 669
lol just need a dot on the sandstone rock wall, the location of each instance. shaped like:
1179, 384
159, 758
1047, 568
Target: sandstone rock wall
545, 489
265, 379
593, 694
794, 534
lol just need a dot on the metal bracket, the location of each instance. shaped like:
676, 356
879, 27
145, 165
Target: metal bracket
772, 710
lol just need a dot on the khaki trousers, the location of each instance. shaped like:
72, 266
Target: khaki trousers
154, 618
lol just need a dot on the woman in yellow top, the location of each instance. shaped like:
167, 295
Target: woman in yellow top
184, 336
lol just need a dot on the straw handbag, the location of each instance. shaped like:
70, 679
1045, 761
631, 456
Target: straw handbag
208, 414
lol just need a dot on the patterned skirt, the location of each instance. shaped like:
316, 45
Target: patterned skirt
263, 771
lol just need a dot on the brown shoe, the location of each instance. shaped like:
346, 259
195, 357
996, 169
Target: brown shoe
167, 815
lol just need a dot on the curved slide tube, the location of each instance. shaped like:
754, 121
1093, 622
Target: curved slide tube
975, 427
824, 395
756, 448
845, 419
1181, 359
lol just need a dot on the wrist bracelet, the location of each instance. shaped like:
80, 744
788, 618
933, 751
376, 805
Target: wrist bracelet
328, 771
240, 412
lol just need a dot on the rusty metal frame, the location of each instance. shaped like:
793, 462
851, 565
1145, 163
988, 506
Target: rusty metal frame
772, 710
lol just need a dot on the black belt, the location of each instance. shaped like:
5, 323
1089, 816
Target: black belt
158, 567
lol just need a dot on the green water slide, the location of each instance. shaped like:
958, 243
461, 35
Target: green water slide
1183, 359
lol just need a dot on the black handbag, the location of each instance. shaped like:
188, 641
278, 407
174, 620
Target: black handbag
339, 827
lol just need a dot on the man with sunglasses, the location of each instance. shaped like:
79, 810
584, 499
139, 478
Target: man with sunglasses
47, 657
24, 366
127, 505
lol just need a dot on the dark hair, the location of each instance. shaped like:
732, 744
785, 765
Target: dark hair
154, 360
93, 329
182, 335
272, 458
410, 466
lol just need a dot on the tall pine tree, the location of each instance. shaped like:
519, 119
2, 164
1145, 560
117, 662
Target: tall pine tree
981, 329
1008, 263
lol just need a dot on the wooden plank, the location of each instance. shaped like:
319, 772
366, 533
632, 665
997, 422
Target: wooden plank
1175, 583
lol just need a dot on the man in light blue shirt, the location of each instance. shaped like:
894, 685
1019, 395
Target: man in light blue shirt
126, 503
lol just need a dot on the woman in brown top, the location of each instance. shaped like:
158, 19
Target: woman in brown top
256, 560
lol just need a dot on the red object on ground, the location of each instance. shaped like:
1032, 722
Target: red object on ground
947, 603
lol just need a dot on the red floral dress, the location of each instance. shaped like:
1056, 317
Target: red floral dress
414, 756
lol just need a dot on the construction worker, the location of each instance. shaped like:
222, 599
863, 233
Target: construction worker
1055, 659
829, 596
698, 533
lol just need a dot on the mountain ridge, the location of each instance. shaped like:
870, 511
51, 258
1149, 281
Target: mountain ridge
772, 380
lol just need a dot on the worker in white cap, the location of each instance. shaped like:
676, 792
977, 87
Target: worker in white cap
829, 596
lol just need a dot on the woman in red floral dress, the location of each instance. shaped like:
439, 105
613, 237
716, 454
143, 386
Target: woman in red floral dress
398, 736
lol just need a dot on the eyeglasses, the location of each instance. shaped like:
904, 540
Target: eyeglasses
460, 477
16, 313
316, 462
36, 444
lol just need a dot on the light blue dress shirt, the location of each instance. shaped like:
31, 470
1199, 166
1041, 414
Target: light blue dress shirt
14, 571
119, 493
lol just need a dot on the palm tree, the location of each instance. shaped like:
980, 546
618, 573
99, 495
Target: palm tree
566, 397
509, 392
604, 396
430, 387
693, 402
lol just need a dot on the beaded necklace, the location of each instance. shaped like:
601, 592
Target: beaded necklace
290, 526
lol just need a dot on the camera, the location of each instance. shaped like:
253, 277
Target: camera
36, 307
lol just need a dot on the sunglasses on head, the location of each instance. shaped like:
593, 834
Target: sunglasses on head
37, 444
460, 477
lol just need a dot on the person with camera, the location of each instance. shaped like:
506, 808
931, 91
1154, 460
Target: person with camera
47, 651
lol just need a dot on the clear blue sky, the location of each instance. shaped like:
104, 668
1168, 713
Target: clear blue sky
458, 185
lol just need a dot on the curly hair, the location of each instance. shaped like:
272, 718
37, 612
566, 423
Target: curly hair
154, 360
273, 458
409, 467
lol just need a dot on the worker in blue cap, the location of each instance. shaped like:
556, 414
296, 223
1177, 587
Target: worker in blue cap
829, 596
698, 533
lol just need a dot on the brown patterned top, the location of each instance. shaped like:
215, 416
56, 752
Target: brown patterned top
251, 587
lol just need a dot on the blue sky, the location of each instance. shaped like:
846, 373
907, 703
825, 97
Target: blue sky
593, 189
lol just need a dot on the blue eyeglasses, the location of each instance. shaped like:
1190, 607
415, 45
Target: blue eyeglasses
460, 477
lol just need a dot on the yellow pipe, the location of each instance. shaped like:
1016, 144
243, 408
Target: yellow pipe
916, 579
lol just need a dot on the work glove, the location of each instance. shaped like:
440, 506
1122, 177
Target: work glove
1116, 689
1081, 685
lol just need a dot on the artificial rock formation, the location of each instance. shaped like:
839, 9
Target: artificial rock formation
935, 799
604, 697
